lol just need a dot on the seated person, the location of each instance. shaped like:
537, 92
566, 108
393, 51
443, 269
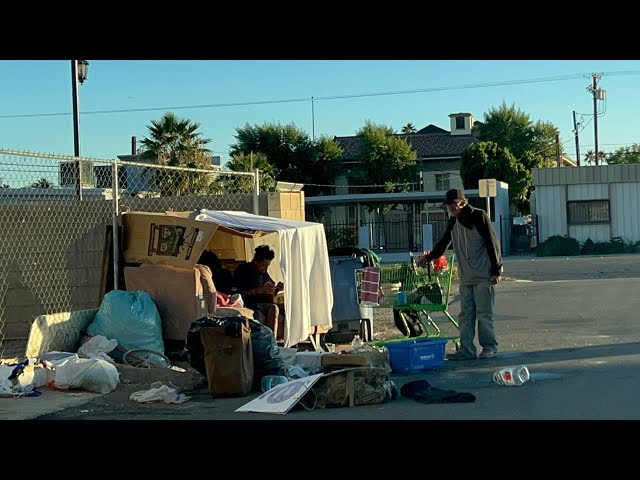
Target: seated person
221, 277
258, 288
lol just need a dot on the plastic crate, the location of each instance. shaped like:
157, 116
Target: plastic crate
417, 354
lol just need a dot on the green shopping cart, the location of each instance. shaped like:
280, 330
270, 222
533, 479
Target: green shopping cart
415, 295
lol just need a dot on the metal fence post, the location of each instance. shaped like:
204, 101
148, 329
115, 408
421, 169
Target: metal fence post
115, 237
256, 192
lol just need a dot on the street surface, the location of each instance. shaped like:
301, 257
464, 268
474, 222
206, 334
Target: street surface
574, 323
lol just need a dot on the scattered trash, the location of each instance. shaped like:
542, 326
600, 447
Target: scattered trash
159, 392
512, 376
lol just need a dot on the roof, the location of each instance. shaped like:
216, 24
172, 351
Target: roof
434, 145
431, 128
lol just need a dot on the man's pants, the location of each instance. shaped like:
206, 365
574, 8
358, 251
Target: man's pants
476, 302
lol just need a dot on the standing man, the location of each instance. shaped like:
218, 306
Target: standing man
479, 261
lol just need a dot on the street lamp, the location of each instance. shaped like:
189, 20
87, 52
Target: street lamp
79, 72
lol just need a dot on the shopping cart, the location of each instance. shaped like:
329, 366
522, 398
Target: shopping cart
415, 294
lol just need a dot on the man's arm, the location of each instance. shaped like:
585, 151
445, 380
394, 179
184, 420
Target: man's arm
441, 246
485, 229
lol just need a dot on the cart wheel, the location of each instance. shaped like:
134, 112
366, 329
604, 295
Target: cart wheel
145, 358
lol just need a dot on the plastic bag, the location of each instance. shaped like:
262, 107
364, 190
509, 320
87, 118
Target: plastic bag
131, 318
96, 345
93, 375
267, 359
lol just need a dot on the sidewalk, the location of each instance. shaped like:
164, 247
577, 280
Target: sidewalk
26, 408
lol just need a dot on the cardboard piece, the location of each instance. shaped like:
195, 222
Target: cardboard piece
182, 295
164, 238
281, 398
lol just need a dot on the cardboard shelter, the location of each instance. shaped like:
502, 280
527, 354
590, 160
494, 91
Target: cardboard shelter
301, 255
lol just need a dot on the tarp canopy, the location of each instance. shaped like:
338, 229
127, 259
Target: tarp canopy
303, 258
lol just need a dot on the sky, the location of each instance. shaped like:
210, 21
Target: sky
232, 93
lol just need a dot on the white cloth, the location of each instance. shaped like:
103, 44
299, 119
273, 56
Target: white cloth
304, 261
159, 392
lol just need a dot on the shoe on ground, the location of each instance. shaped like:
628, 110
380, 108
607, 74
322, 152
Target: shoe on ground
488, 354
459, 356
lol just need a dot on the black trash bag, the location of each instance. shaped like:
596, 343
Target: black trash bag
408, 323
267, 359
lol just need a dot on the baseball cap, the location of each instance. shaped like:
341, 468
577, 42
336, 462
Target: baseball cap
453, 195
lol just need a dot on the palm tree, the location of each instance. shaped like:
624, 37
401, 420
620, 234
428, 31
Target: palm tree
42, 183
242, 162
590, 156
409, 128
175, 142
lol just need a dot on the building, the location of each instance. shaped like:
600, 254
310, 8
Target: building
439, 153
599, 203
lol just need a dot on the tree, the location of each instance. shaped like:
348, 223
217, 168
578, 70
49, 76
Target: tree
534, 145
409, 128
175, 142
42, 183
248, 163
294, 156
489, 160
624, 155
590, 157
384, 160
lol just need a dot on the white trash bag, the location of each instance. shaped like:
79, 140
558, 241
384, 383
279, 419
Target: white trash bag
94, 375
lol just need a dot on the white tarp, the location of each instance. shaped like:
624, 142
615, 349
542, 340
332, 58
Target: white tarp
304, 260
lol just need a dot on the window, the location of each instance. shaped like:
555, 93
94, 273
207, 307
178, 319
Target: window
459, 123
588, 212
443, 181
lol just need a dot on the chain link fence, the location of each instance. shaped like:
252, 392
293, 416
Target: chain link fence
54, 211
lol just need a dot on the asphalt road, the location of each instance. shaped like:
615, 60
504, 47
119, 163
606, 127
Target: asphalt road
573, 322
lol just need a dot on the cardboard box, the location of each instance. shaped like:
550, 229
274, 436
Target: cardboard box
164, 238
182, 295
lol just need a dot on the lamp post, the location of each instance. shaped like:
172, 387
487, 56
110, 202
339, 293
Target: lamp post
79, 72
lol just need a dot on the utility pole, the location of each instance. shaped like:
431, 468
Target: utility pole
558, 158
575, 129
596, 93
313, 122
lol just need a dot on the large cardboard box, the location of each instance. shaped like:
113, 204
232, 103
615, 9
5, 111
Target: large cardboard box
164, 238
182, 295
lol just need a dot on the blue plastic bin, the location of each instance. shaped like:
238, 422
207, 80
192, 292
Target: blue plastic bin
417, 354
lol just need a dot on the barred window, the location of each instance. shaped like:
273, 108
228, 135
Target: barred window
587, 212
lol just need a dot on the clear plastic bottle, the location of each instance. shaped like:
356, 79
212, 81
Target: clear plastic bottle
270, 381
356, 343
512, 376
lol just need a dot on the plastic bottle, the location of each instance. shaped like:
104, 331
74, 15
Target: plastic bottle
356, 343
512, 376
424, 300
270, 381
401, 298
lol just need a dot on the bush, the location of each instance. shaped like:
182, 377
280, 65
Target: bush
557, 245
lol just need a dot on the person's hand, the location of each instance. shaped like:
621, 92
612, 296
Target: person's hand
423, 260
495, 279
268, 288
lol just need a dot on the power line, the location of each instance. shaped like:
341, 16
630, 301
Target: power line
327, 98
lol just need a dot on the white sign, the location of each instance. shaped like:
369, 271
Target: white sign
487, 187
281, 398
